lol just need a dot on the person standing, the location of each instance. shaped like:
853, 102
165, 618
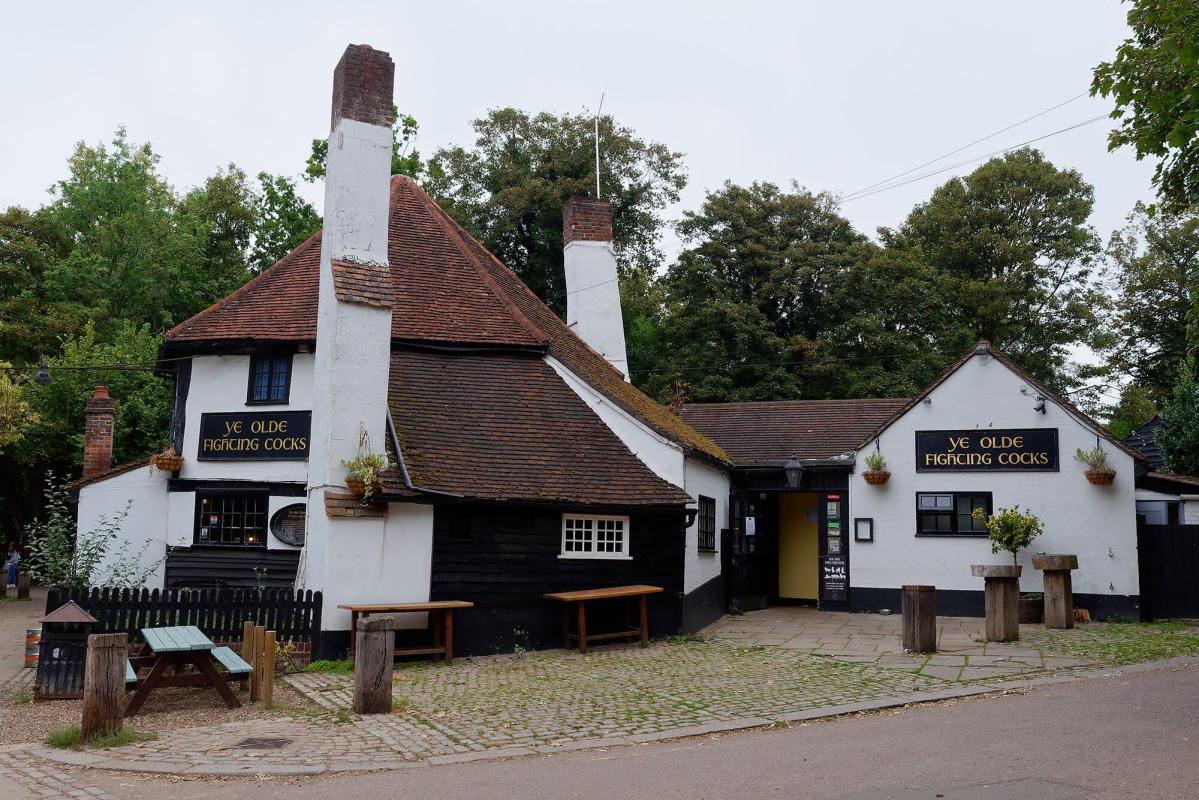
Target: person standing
13, 563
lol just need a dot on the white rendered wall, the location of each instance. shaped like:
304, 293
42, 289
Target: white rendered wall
146, 525
1096, 523
705, 479
379, 560
593, 300
219, 385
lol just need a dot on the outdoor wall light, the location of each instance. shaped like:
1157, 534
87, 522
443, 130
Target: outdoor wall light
42, 378
1040, 404
794, 471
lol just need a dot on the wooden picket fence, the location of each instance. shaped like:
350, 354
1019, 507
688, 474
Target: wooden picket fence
295, 616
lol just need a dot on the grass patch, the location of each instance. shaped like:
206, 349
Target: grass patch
342, 717
72, 739
686, 638
21, 698
340, 666
15, 599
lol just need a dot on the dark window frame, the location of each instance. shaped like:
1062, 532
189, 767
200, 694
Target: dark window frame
260, 358
705, 524
952, 514
234, 497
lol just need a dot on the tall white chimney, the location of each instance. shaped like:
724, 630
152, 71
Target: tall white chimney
593, 291
353, 329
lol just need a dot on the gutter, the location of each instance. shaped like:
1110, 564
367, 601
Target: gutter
395, 442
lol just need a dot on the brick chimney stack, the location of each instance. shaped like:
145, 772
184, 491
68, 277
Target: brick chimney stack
593, 293
99, 415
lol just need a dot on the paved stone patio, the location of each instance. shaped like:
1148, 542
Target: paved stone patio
774, 666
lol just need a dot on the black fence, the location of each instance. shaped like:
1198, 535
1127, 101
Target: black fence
219, 613
1169, 563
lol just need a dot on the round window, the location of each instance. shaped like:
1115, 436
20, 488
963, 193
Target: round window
288, 524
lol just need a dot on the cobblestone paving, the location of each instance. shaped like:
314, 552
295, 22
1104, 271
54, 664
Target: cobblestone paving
19, 772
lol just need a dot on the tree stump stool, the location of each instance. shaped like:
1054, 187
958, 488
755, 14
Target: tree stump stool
23, 583
919, 604
1002, 583
1059, 589
374, 653
104, 684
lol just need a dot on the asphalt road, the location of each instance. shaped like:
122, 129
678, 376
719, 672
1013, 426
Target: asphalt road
1127, 736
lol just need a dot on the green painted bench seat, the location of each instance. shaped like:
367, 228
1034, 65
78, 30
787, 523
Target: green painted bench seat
231, 661
130, 673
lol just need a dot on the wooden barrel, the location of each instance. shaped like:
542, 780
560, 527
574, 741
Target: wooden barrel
33, 643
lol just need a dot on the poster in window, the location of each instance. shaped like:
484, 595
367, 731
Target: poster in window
834, 546
833, 509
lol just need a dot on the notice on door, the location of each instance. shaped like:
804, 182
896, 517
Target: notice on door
834, 579
987, 450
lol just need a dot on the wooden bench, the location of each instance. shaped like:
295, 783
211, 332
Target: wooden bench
441, 621
130, 675
235, 665
581, 597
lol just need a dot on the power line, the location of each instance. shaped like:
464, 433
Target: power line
967, 146
992, 154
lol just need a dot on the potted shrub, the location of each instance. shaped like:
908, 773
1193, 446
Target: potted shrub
364, 474
876, 473
1011, 530
1099, 472
1032, 608
167, 460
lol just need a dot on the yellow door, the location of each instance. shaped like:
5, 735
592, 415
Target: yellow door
799, 545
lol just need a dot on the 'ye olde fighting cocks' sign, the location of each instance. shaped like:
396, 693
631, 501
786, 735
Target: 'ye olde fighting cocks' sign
1019, 449
250, 436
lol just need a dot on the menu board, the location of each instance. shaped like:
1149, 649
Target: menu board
834, 578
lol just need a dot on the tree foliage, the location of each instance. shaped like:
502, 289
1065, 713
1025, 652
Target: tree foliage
1178, 437
510, 187
1153, 80
1155, 261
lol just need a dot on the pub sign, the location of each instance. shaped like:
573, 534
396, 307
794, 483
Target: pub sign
255, 436
988, 450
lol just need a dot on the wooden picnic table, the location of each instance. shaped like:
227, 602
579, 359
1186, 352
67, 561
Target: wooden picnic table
441, 621
581, 597
179, 646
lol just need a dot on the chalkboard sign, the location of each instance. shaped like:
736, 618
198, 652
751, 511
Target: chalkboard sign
834, 577
987, 450
255, 436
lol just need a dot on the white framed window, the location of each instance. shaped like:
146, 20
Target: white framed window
594, 536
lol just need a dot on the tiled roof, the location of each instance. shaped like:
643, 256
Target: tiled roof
769, 433
449, 289
1144, 441
119, 469
505, 427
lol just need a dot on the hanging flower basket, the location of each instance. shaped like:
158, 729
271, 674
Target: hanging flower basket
357, 486
876, 477
1101, 477
167, 461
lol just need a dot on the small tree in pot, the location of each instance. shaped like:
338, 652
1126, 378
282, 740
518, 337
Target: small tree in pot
1010, 529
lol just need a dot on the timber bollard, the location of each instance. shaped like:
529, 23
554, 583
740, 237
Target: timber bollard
104, 684
1002, 583
919, 604
23, 583
373, 657
1059, 588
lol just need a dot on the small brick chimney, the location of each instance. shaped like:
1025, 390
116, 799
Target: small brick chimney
593, 293
99, 416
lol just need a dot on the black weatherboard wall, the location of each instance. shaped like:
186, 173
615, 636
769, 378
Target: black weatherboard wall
504, 558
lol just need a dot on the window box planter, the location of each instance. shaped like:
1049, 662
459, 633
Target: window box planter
876, 477
1101, 477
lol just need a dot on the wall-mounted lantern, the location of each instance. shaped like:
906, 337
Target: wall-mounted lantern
794, 472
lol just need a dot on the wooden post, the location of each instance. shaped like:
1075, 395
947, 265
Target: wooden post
268, 669
919, 604
1002, 587
374, 654
1059, 588
250, 652
23, 582
256, 675
104, 684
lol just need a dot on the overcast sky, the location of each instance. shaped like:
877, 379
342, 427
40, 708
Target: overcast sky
835, 95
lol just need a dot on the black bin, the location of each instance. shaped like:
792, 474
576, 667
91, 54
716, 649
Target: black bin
63, 657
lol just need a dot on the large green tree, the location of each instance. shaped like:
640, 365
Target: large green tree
1155, 264
509, 188
1178, 437
1018, 258
32, 319
1153, 80
283, 220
